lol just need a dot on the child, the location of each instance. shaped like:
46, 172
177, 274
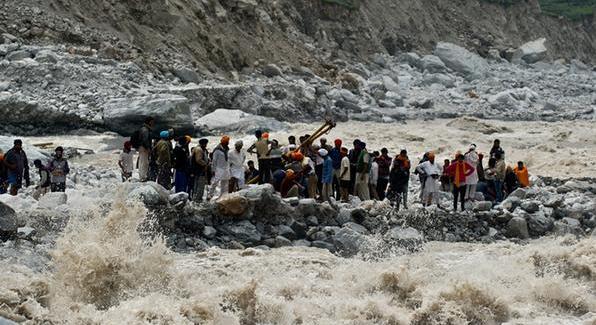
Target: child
126, 162
44, 180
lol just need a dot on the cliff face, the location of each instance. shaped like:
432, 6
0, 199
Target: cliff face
219, 36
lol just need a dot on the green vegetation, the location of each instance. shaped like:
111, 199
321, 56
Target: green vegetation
572, 9
351, 4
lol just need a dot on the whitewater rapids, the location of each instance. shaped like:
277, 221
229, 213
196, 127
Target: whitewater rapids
104, 271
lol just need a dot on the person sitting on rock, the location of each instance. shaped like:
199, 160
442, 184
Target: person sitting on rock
125, 162
58, 167
17, 166
44, 180
221, 168
432, 171
458, 172
289, 186
521, 171
163, 160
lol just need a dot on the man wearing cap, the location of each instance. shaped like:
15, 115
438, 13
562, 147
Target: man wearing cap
335, 155
471, 157
58, 167
262, 151
221, 168
237, 158
361, 188
199, 168
145, 147
431, 170
327, 179
163, 154
16, 162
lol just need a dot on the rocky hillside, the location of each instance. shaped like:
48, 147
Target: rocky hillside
213, 36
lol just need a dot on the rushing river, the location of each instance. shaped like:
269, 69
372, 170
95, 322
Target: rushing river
102, 271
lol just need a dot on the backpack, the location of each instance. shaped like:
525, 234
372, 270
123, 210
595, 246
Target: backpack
135, 139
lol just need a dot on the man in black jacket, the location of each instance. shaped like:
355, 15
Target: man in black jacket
17, 164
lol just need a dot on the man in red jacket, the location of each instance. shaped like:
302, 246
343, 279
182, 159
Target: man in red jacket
458, 171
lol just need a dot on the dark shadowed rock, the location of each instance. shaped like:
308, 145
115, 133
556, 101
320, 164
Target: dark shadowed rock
8, 222
517, 227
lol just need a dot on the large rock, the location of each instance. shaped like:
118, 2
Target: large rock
518, 227
483, 206
530, 52
150, 193
348, 241
52, 200
568, 226
255, 202
19, 55
243, 231
461, 60
271, 70
530, 206
408, 238
8, 222
233, 206
187, 75
233, 120
432, 64
513, 99
126, 115
439, 78
539, 224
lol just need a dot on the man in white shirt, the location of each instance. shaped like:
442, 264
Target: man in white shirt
126, 161
236, 159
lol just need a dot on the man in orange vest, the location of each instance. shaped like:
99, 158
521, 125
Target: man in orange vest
521, 172
458, 171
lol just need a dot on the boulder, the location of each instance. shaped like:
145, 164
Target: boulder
8, 222
187, 75
483, 206
530, 206
439, 78
323, 245
286, 231
408, 238
348, 242
209, 232
233, 120
357, 228
46, 56
271, 70
539, 224
411, 58
519, 193
432, 64
242, 231
281, 241
150, 193
517, 227
299, 229
457, 58
52, 200
233, 206
126, 115
530, 52
176, 198
567, 226
19, 55
301, 243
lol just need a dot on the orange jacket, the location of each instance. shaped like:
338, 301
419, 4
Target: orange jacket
522, 176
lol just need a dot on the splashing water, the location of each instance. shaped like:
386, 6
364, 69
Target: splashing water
103, 271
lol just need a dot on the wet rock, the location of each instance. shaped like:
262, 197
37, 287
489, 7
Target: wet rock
271, 70
439, 78
26, 233
46, 56
348, 242
243, 231
510, 203
567, 226
483, 206
530, 52
125, 115
323, 245
359, 215
517, 227
411, 58
298, 228
519, 193
312, 221
177, 198
301, 243
357, 228
150, 193
530, 206
52, 200
281, 241
539, 224
286, 231
408, 238
458, 59
209, 232
233, 206
187, 75
8, 222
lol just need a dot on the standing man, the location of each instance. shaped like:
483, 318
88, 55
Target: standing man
521, 171
432, 172
344, 175
459, 171
336, 157
221, 168
362, 172
384, 162
472, 159
262, 151
180, 161
125, 162
496, 149
16, 162
237, 158
327, 180
198, 169
353, 155
145, 147
44, 180
500, 173
163, 156
58, 167
374, 176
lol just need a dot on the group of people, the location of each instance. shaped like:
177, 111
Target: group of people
14, 171
306, 169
